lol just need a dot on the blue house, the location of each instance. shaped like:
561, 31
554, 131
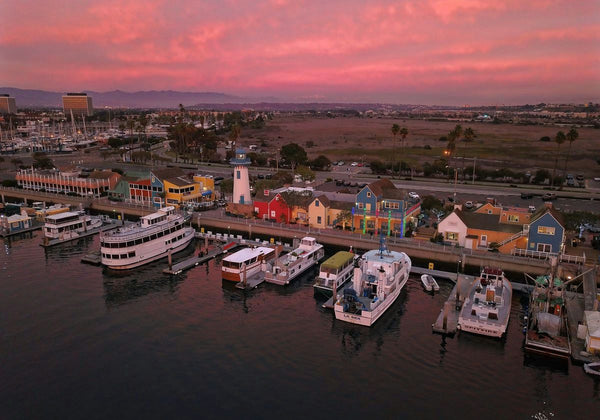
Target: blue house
381, 207
546, 231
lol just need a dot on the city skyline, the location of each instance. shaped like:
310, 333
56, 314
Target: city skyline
429, 52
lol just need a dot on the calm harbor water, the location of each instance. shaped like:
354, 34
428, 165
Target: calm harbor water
78, 342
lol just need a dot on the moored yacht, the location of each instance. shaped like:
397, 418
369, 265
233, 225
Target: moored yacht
69, 225
289, 266
335, 272
376, 284
246, 262
152, 238
487, 308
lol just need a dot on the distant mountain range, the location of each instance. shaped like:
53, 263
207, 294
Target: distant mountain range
118, 98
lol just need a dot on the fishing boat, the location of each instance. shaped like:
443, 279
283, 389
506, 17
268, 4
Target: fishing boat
246, 262
547, 331
376, 284
289, 266
429, 283
336, 271
153, 237
486, 310
69, 225
592, 368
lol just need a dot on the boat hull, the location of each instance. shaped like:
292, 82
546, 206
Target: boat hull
153, 257
370, 317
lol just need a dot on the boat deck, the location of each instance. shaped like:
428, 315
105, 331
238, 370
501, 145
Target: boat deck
252, 282
503, 310
52, 242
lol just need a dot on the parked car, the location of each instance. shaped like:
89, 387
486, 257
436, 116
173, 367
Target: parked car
340, 163
414, 195
549, 197
579, 177
354, 164
469, 205
526, 196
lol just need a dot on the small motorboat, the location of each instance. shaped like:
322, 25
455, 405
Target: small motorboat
429, 283
592, 368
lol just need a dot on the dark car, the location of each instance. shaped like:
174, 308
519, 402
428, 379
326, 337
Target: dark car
549, 197
526, 196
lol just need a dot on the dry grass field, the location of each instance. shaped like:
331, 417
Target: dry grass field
497, 145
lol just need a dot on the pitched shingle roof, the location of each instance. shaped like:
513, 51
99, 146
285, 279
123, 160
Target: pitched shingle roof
378, 186
341, 205
542, 211
323, 199
482, 221
166, 173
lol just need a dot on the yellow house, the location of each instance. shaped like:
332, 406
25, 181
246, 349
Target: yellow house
317, 212
339, 213
181, 190
207, 186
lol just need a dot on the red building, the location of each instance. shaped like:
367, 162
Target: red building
141, 190
271, 206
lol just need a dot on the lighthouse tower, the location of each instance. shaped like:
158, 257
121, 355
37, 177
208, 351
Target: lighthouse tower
241, 182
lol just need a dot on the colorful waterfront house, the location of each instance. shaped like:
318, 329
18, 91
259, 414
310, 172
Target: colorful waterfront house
15, 223
510, 215
298, 200
318, 212
121, 190
381, 207
206, 184
339, 213
111, 177
474, 230
546, 232
66, 182
182, 190
269, 205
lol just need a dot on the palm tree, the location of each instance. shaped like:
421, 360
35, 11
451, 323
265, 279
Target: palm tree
395, 131
468, 137
403, 134
571, 136
559, 139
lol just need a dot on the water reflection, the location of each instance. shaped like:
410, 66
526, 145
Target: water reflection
122, 288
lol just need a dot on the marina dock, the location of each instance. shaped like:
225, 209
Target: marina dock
238, 239
5, 234
93, 258
576, 304
447, 320
197, 260
252, 282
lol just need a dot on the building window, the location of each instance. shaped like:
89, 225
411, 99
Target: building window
318, 220
238, 174
317, 203
272, 213
368, 194
452, 236
545, 230
513, 218
361, 205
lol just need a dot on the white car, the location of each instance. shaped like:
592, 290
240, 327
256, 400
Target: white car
469, 205
354, 164
414, 195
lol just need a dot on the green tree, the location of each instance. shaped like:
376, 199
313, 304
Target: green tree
468, 136
571, 136
343, 217
293, 154
403, 134
559, 139
320, 163
305, 173
395, 131
16, 162
42, 161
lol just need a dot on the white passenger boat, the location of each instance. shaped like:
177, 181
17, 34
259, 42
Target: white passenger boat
69, 225
335, 272
289, 266
376, 285
246, 262
429, 283
487, 308
152, 238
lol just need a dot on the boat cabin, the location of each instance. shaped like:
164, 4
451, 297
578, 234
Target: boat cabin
160, 216
247, 257
62, 218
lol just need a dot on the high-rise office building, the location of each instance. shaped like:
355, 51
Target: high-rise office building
8, 105
79, 103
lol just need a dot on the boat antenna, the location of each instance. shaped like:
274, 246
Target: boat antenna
382, 246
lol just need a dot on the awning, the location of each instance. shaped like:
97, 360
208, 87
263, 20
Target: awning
207, 192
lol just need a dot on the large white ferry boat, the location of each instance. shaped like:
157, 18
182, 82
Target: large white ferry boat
335, 272
289, 266
246, 262
69, 225
376, 285
152, 238
487, 308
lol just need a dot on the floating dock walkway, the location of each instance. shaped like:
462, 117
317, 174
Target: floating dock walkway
198, 259
5, 234
238, 239
252, 282
447, 320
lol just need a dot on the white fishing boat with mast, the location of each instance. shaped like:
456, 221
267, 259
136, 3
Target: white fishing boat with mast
377, 282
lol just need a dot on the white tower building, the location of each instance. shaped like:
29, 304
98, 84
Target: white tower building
241, 181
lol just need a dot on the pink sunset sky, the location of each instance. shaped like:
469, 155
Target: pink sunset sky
413, 51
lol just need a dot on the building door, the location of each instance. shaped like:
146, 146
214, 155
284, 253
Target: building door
469, 243
242, 199
483, 241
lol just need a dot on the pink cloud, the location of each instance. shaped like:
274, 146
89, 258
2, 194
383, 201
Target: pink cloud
331, 50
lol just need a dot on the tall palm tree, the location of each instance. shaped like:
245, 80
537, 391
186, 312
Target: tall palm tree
403, 134
468, 137
559, 139
571, 136
395, 131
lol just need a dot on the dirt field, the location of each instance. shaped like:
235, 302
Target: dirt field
497, 145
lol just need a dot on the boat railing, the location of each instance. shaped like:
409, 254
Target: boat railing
121, 235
